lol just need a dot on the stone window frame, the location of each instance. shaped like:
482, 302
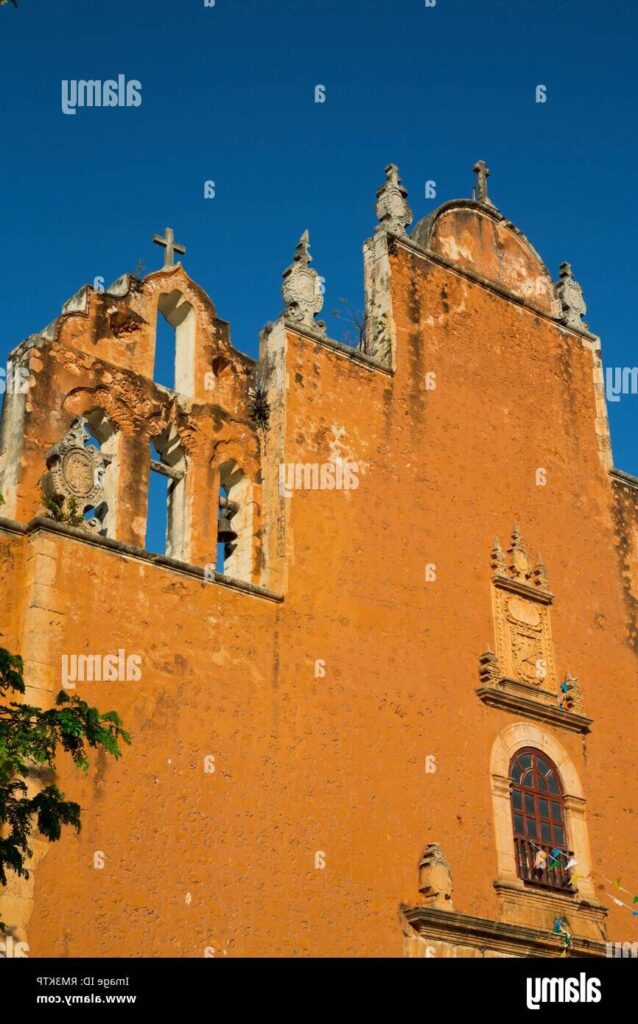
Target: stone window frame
552, 821
180, 314
239, 487
108, 435
509, 741
172, 464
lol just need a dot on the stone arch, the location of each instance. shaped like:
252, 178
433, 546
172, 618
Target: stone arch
506, 744
180, 314
172, 464
107, 435
237, 487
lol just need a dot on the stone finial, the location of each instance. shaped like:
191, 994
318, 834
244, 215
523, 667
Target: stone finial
539, 575
393, 210
435, 878
489, 668
482, 172
571, 298
75, 475
498, 558
520, 564
302, 289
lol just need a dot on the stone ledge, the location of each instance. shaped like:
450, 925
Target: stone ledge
42, 524
624, 478
587, 918
355, 354
482, 933
434, 257
524, 589
518, 703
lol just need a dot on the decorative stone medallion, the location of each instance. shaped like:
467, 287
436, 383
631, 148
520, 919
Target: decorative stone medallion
75, 471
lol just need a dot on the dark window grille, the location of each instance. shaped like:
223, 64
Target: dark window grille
538, 820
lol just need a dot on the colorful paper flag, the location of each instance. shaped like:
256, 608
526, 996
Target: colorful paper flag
616, 884
571, 864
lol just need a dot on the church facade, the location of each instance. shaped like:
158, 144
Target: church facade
381, 684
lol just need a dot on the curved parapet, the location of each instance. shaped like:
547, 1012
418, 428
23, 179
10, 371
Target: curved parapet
478, 239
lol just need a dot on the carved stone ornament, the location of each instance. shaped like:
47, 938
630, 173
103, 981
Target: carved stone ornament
520, 674
75, 472
435, 878
571, 298
521, 599
489, 669
302, 289
393, 211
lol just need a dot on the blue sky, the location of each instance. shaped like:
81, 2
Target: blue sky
228, 95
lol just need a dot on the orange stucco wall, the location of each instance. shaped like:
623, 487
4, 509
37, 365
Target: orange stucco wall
331, 760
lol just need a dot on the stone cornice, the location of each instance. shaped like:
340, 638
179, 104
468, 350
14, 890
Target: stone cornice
624, 478
354, 354
524, 589
40, 524
484, 934
509, 695
411, 246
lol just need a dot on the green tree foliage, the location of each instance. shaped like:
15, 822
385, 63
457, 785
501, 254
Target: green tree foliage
29, 742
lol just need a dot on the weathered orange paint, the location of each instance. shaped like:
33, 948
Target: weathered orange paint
327, 760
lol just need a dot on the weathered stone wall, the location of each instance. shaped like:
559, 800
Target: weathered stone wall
320, 710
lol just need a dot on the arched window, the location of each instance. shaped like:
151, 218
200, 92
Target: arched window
538, 819
166, 531
234, 517
175, 343
103, 435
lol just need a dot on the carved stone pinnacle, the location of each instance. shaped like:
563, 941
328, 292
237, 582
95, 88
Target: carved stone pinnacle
393, 210
302, 289
571, 298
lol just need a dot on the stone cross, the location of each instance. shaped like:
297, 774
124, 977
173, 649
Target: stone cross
482, 172
170, 245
